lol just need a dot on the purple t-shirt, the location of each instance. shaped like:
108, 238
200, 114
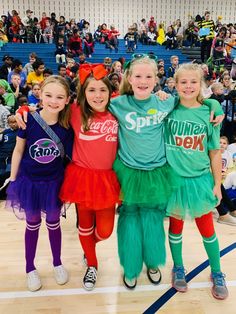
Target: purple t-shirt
41, 159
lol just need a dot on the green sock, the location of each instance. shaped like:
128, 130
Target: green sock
175, 242
212, 249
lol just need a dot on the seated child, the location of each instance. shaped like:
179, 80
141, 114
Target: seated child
170, 87
34, 99
7, 144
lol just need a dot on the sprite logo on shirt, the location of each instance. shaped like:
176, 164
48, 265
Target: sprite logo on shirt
186, 134
44, 151
136, 123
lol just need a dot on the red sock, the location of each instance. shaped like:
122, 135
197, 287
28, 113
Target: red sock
86, 235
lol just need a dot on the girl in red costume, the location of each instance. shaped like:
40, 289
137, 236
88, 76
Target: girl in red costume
89, 180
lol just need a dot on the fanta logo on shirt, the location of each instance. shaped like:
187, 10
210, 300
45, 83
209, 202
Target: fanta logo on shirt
137, 123
44, 151
186, 134
107, 129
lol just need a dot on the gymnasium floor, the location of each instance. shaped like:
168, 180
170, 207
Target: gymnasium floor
109, 295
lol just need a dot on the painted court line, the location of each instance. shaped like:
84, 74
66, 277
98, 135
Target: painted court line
171, 292
107, 290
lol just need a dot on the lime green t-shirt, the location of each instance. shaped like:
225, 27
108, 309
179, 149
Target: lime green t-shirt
188, 138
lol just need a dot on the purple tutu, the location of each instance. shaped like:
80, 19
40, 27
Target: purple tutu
32, 197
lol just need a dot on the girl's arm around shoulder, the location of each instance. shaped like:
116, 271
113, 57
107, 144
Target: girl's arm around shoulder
216, 167
17, 156
217, 113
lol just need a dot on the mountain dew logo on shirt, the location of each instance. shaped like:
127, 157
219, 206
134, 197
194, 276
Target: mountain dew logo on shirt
44, 151
137, 123
186, 134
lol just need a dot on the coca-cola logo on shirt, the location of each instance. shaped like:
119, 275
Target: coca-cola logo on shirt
107, 129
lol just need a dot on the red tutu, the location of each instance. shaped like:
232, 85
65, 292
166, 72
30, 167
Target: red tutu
90, 188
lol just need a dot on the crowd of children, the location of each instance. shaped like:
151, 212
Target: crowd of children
167, 147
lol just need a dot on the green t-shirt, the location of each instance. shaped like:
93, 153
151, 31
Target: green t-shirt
188, 138
141, 127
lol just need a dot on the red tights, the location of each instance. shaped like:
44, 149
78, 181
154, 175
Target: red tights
94, 226
204, 223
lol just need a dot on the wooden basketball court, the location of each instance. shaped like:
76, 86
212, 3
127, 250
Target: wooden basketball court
109, 296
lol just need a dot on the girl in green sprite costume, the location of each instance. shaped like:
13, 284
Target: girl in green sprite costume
146, 179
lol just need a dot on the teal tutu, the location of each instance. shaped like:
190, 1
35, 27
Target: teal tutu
193, 198
146, 187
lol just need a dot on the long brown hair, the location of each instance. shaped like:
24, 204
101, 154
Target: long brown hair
86, 110
64, 115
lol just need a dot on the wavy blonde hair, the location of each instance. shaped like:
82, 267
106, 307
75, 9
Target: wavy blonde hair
186, 67
125, 86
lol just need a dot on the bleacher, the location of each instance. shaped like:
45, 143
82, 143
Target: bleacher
46, 53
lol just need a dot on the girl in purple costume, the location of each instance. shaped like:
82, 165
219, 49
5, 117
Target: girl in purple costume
37, 174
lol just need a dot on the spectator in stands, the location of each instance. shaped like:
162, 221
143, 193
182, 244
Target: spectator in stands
97, 34
28, 22
3, 38
75, 43
4, 113
227, 82
152, 36
17, 69
28, 66
152, 23
170, 87
7, 144
117, 68
107, 63
82, 59
206, 33
191, 34
37, 75
131, 38
88, 45
6, 68
43, 20
161, 38
8, 95
62, 72
142, 31
17, 89
171, 41
47, 72
104, 33
174, 60
60, 51
34, 98
112, 40
179, 31
115, 84
48, 33
217, 92
161, 75
38, 33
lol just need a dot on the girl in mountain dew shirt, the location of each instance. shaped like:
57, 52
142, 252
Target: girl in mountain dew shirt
146, 179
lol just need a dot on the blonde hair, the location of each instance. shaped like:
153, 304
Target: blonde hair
125, 86
225, 138
216, 86
186, 67
64, 115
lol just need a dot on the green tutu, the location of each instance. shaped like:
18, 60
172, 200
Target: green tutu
193, 198
146, 187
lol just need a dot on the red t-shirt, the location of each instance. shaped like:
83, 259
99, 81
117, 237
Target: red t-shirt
96, 148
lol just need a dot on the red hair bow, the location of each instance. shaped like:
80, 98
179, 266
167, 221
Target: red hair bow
97, 70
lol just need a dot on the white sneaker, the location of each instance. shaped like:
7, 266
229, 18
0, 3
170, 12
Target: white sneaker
33, 280
90, 278
61, 275
227, 220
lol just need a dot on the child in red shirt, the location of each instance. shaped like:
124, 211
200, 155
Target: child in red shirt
89, 180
